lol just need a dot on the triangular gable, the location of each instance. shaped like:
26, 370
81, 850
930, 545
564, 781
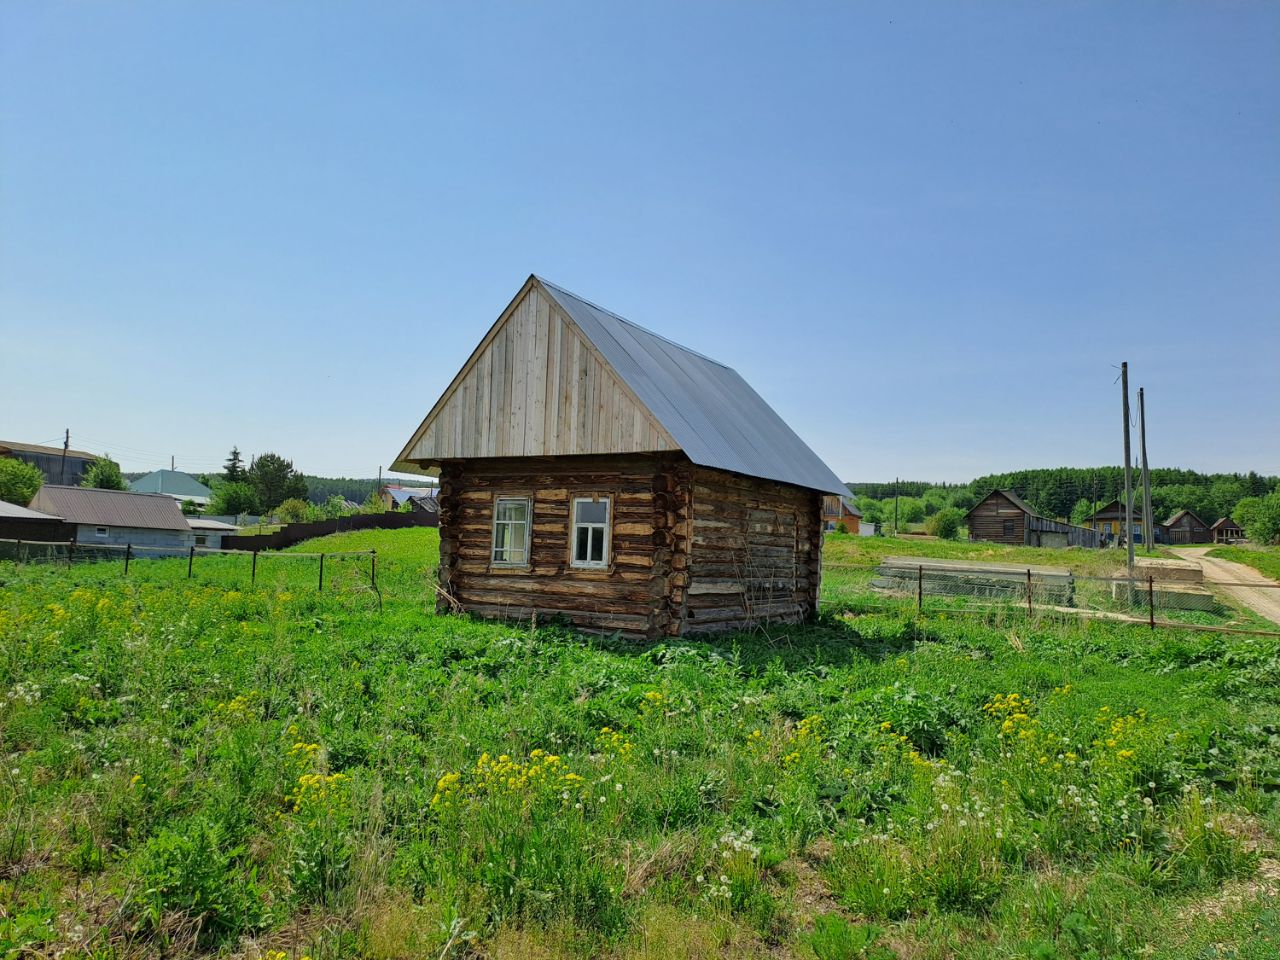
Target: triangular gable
604, 385
535, 386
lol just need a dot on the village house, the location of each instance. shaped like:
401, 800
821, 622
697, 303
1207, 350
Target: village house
594, 470
1185, 527
57, 465
837, 510
1004, 517
1109, 521
173, 483
22, 523
1226, 530
118, 517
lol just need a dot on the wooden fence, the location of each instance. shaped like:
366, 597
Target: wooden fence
293, 533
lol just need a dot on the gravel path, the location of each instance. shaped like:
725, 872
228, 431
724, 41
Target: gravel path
1264, 599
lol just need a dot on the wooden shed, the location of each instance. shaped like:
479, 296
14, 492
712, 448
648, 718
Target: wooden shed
1004, 517
594, 470
1185, 527
1226, 530
1108, 520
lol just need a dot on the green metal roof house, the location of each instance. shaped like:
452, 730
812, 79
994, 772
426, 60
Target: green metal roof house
174, 483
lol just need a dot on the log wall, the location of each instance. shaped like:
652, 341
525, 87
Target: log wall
691, 549
757, 552
986, 520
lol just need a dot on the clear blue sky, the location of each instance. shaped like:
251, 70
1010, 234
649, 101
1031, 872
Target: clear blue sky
926, 233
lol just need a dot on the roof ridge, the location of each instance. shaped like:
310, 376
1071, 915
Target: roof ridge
132, 493
631, 323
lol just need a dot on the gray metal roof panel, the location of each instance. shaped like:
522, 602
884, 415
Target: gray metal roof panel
12, 511
111, 508
714, 415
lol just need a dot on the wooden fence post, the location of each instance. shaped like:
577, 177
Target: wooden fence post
920, 589
253, 577
373, 568
17, 553
128, 552
71, 549
1151, 601
321, 573
191, 559
1030, 612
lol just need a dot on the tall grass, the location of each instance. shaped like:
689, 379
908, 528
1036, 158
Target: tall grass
199, 767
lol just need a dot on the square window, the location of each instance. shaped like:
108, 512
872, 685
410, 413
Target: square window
1008, 528
511, 532
591, 532
201, 539
100, 532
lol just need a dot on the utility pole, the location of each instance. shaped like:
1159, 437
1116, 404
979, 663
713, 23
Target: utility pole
171, 461
66, 445
1148, 523
1128, 465
895, 506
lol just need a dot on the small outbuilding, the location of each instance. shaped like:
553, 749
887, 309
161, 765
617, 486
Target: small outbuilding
593, 470
1004, 517
1226, 530
23, 523
118, 517
207, 533
1185, 527
839, 510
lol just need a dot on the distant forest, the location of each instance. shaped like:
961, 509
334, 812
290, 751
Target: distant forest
1067, 492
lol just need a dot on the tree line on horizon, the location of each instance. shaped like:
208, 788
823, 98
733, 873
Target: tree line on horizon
1068, 493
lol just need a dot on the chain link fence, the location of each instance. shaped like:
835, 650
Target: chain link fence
1001, 594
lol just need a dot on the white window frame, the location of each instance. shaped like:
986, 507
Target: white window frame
606, 545
102, 531
202, 539
528, 531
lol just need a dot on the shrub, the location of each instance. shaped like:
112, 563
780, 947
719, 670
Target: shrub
104, 473
233, 498
294, 510
945, 523
192, 869
1259, 517
19, 481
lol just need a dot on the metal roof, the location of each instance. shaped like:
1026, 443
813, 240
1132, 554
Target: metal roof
11, 511
6, 445
199, 523
111, 508
175, 483
709, 410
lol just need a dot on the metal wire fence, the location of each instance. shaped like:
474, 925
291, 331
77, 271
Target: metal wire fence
1008, 594
328, 572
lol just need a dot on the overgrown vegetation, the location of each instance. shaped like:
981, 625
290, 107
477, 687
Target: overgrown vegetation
19, 481
201, 767
104, 473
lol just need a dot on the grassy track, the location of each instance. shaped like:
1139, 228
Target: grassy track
193, 768
846, 548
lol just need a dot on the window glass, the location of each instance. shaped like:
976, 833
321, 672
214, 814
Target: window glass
591, 532
511, 532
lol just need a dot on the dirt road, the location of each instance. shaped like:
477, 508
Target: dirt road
1263, 600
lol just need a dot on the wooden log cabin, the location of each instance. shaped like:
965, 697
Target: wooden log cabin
1186, 527
593, 470
1004, 517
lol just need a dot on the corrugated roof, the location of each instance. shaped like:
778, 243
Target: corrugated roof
39, 448
175, 483
111, 508
199, 523
11, 511
709, 410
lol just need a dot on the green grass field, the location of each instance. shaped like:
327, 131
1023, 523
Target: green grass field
205, 768
1265, 560
846, 548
